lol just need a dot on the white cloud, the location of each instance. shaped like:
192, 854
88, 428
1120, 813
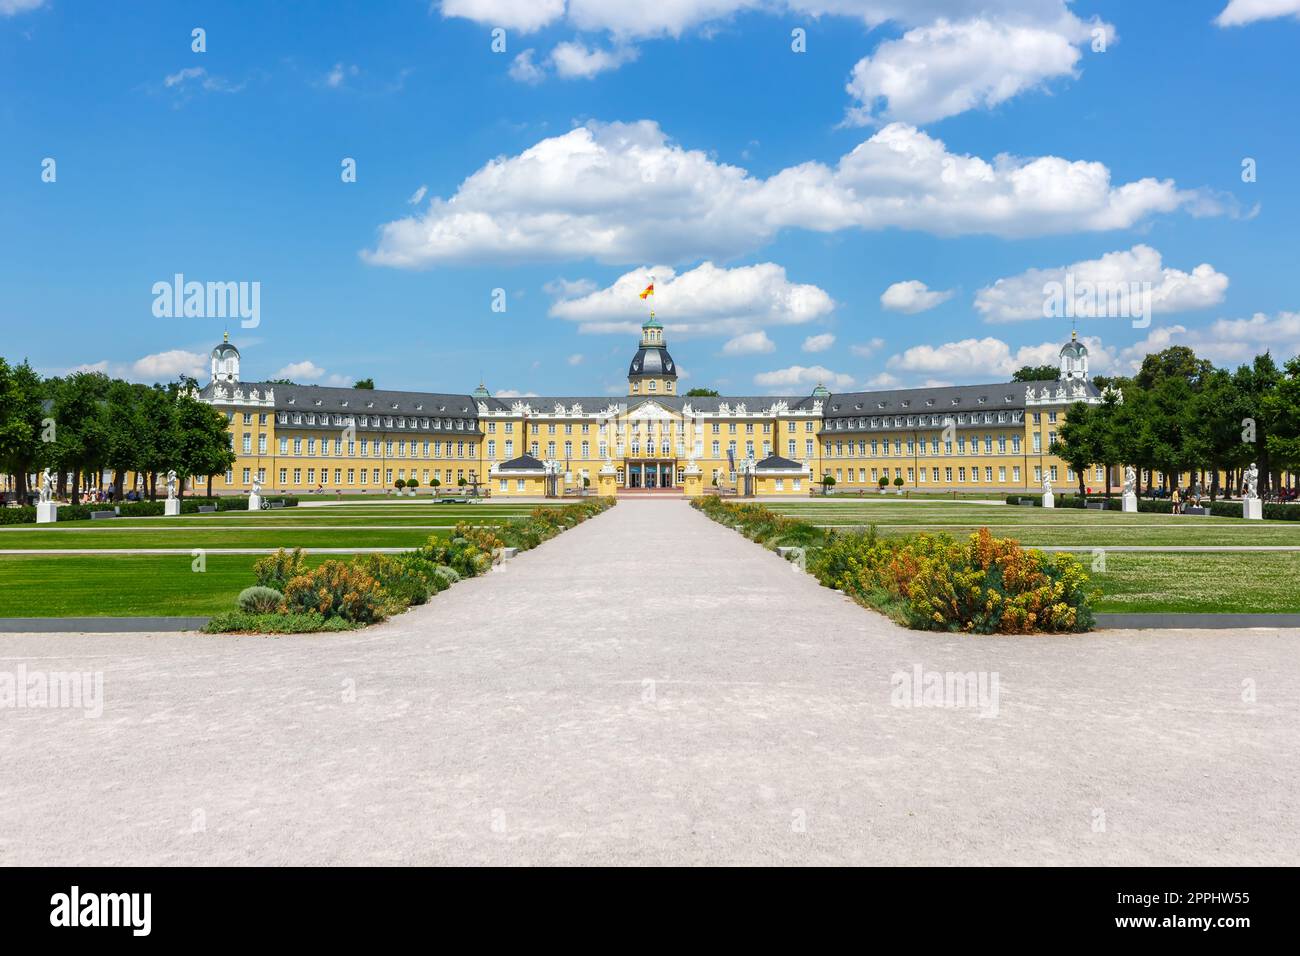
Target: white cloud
514, 393
101, 366
576, 358
339, 74
800, 376
1241, 12
751, 343
418, 195
884, 380
524, 70
947, 68
1021, 297
818, 343
170, 365
1227, 342
181, 81
10, 8
304, 370
575, 60
706, 300
526, 16
867, 349
975, 360
622, 192
912, 296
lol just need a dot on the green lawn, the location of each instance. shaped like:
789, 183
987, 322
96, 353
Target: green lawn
1251, 583
122, 587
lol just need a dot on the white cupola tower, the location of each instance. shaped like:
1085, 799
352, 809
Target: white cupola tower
1074, 360
225, 362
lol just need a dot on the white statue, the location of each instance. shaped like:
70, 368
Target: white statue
171, 485
47, 487
1047, 484
257, 487
1130, 480
1252, 481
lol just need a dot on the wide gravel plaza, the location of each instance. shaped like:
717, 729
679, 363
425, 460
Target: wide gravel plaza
650, 687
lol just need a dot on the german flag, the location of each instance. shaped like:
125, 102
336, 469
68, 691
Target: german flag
649, 290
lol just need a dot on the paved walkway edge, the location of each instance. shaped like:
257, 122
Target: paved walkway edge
98, 625
1174, 621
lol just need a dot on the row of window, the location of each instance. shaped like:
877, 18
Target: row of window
962, 476
389, 448
930, 421
367, 476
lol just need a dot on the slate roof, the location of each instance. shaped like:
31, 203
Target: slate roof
777, 462
522, 463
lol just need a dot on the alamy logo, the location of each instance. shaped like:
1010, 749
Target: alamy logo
208, 300
1084, 299
103, 909
922, 688
22, 689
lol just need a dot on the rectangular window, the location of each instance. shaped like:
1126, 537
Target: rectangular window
284, 476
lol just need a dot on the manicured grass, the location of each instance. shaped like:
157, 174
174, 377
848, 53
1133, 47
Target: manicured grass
220, 538
122, 587
1250, 583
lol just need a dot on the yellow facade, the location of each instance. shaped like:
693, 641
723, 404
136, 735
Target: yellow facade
301, 439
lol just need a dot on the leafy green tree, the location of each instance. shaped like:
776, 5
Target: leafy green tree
21, 422
1282, 409
366, 383
1036, 373
202, 443
699, 392
1082, 440
79, 411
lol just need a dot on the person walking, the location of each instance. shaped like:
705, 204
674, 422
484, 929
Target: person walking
1177, 500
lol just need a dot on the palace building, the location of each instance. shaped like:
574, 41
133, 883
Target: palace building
298, 438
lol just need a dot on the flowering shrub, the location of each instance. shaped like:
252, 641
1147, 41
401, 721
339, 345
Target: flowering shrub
276, 570
337, 589
984, 585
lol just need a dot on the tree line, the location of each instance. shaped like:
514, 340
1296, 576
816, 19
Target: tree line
85, 423
1179, 414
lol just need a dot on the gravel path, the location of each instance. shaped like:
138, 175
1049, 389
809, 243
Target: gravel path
652, 688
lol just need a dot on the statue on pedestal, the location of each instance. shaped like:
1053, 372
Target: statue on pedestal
171, 485
1047, 485
257, 487
1251, 482
1130, 480
47, 487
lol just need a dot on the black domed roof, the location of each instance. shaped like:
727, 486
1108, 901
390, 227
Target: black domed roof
653, 360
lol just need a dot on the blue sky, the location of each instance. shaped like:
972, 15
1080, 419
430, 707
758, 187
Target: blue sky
776, 194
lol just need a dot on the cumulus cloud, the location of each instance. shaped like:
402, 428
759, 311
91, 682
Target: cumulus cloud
1227, 342
1241, 12
818, 343
524, 70
577, 358
706, 300
803, 377
575, 60
305, 370
158, 367
339, 74
982, 359
912, 296
622, 192
526, 16
1020, 298
514, 393
10, 8
947, 67
867, 349
751, 343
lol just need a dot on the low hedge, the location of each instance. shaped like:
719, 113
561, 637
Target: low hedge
132, 509
983, 585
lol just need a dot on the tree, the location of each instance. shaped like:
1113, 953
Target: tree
1282, 408
21, 426
1081, 440
202, 442
81, 429
281, 381
367, 383
699, 392
827, 482
1035, 373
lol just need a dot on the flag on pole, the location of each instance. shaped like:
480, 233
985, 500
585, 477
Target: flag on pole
649, 290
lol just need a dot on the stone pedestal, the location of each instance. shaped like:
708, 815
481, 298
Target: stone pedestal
693, 482
1130, 502
172, 507
47, 512
254, 502
1252, 508
1049, 500
607, 482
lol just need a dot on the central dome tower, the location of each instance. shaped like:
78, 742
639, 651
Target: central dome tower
653, 371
